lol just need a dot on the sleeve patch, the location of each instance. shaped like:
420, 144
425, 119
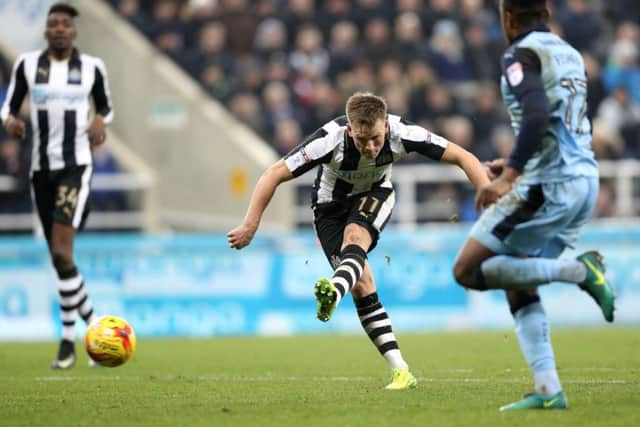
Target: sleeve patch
305, 156
515, 74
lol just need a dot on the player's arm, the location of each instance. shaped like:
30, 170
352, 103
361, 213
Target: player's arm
242, 235
314, 150
16, 92
475, 171
417, 139
102, 101
522, 70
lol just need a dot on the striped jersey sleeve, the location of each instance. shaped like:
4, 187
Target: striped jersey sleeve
417, 139
316, 149
16, 91
100, 92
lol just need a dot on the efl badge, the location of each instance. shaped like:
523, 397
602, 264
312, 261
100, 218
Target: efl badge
515, 74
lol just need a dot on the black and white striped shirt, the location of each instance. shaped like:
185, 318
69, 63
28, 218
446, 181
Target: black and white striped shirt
343, 172
60, 93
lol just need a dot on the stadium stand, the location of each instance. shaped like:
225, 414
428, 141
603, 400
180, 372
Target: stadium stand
283, 67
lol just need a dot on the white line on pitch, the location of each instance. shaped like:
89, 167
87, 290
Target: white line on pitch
266, 378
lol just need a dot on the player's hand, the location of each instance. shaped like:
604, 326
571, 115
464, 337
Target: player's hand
96, 131
241, 236
489, 194
494, 168
15, 127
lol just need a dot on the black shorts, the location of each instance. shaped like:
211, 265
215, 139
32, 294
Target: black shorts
371, 210
62, 196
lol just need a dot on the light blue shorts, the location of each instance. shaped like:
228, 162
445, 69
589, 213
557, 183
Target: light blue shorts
539, 219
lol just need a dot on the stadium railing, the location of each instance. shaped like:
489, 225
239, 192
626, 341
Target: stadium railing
137, 181
410, 211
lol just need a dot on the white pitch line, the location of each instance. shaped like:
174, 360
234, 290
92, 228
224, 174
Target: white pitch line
266, 378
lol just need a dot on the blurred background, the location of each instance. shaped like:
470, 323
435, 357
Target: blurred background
208, 93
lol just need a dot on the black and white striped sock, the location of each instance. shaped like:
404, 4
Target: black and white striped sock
74, 300
69, 284
377, 325
348, 272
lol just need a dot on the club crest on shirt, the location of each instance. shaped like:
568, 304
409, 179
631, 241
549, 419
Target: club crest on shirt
74, 75
515, 74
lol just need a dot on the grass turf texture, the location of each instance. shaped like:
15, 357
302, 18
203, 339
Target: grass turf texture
323, 381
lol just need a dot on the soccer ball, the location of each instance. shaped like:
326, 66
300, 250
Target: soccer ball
110, 341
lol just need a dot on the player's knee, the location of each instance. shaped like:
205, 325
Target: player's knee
460, 273
466, 275
354, 234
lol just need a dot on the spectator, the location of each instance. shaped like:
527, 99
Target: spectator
298, 14
326, 102
447, 58
488, 112
606, 142
130, 10
271, 39
13, 163
377, 41
239, 16
333, 11
581, 25
309, 56
287, 135
343, 48
618, 111
210, 50
595, 87
438, 10
246, 106
409, 43
483, 54
622, 67
279, 106
502, 140
217, 82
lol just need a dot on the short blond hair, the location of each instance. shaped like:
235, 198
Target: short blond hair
365, 109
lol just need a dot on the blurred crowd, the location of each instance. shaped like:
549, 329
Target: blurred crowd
284, 67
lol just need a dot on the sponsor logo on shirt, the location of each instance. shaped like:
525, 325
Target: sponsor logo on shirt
74, 75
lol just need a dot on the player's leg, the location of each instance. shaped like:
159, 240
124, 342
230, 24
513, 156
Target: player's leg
329, 292
377, 325
69, 213
519, 224
363, 217
532, 330
44, 192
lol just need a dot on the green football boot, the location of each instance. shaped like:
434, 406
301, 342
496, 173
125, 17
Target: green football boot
327, 297
401, 379
596, 285
538, 401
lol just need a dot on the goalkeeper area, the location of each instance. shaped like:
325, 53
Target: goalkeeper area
463, 378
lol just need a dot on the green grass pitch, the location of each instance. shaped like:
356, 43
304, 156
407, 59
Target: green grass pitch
323, 381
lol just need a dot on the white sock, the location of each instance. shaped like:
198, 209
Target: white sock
395, 360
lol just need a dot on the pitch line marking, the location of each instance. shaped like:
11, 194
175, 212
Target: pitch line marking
265, 378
